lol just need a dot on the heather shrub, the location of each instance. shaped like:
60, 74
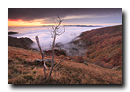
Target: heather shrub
108, 65
78, 59
103, 64
28, 77
86, 59
69, 58
61, 56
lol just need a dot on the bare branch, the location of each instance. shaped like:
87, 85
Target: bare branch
60, 32
64, 30
54, 22
59, 62
59, 18
51, 33
53, 27
43, 61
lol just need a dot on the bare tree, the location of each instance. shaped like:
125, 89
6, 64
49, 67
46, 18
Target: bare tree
43, 61
55, 31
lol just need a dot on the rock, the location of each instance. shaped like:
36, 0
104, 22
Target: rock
117, 68
46, 60
38, 60
59, 44
24, 54
85, 63
49, 60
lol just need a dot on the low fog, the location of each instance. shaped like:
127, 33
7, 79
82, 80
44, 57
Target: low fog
45, 38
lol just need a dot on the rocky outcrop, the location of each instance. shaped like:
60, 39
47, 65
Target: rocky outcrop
46, 60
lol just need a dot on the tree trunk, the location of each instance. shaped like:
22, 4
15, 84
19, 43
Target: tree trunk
54, 33
43, 61
52, 54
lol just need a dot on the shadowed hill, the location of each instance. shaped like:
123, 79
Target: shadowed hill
20, 42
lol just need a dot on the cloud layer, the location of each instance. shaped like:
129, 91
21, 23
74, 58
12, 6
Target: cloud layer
70, 15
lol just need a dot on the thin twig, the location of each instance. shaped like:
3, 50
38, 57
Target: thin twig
59, 62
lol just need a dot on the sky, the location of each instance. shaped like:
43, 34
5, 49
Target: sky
70, 16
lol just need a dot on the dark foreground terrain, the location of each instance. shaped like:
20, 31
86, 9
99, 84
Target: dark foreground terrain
22, 69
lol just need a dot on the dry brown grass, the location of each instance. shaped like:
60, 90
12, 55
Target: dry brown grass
78, 59
23, 70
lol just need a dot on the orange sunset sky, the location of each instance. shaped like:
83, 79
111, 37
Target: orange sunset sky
72, 16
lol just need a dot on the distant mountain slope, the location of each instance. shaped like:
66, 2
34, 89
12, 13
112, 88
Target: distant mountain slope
20, 42
105, 46
10, 33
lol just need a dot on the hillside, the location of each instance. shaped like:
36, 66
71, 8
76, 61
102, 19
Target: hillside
104, 46
22, 69
20, 42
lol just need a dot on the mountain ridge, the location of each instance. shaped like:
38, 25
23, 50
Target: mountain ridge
104, 44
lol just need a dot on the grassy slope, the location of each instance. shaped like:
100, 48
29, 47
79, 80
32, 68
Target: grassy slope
23, 70
104, 46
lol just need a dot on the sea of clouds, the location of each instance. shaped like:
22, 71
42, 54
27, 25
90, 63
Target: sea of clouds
44, 34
